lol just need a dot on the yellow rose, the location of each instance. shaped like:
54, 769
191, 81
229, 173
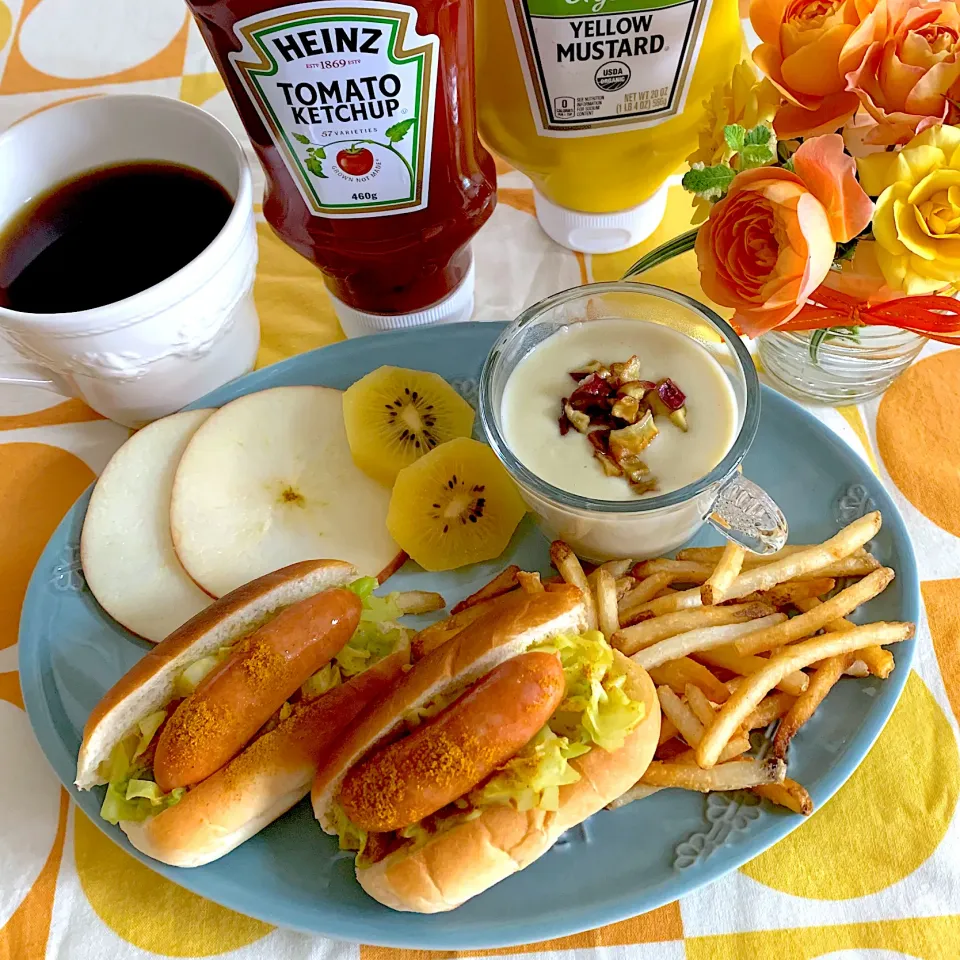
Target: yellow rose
917, 219
745, 100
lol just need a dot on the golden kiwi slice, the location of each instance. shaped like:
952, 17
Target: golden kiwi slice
395, 416
454, 506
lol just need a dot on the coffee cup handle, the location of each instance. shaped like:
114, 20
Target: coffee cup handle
746, 514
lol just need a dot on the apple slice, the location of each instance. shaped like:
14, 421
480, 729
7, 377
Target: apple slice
128, 558
268, 480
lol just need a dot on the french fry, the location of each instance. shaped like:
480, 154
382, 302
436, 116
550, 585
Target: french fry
568, 566
702, 708
667, 731
688, 571
819, 616
814, 560
639, 791
878, 661
791, 593
680, 715
788, 794
629, 640
607, 617
726, 571
616, 569
624, 585
712, 554
502, 583
858, 669
671, 603
419, 601
746, 665
643, 592
749, 694
821, 683
734, 775
676, 674
529, 582
694, 641
736, 747
770, 708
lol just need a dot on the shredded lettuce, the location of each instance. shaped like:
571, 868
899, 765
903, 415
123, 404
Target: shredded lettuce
130, 795
430, 709
148, 728
189, 679
376, 637
596, 709
351, 836
532, 779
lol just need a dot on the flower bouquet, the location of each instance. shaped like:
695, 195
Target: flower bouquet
828, 189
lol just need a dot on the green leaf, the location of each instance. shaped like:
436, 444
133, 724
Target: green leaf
845, 251
314, 165
711, 183
788, 165
320, 153
759, 135
399, 130
301, 138
735, 135
756, 155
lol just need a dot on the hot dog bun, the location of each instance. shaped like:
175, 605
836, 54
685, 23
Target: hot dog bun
150, 683
471, 857
516, 624
237, 698
262, 782
468, 858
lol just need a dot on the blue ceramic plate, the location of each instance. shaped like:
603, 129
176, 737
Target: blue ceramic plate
614, 866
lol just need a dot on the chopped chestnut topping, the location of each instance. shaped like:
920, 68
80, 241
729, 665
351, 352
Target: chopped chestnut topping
634, 439
594, 366
621, 373
578, 420
615, 409
626, 408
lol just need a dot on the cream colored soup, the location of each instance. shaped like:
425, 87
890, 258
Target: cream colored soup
531, 407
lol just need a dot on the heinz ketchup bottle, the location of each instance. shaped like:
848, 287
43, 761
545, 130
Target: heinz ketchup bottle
363, 116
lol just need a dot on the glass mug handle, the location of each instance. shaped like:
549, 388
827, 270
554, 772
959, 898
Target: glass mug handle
745, 514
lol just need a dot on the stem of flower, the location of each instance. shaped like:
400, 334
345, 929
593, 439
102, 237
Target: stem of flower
663, 253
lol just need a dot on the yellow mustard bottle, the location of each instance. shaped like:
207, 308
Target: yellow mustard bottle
599, 102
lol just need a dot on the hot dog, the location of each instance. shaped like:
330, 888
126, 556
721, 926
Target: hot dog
451, 754
219, 729
235, 699
479, 758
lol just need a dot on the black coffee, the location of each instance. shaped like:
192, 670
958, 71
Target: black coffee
108, 234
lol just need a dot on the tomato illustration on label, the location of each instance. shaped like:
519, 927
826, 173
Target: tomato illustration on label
355, 161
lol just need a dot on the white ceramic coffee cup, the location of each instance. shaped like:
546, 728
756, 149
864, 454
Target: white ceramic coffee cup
150, 354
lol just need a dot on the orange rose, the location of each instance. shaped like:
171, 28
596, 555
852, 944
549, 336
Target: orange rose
770, 242
903, 62
800, 53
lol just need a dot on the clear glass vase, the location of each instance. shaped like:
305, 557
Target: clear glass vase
849, 368
847, 365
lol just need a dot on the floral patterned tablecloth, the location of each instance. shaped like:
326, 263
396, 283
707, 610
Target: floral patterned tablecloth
875, 874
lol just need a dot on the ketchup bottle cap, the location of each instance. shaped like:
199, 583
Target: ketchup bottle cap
453, 308
600, 232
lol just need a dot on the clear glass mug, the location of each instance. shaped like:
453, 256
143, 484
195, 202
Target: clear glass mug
605, 529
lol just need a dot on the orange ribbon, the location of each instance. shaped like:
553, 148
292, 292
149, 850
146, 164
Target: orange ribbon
935, 317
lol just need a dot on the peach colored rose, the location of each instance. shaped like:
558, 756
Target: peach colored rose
770, 242
800, 53
903, 62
